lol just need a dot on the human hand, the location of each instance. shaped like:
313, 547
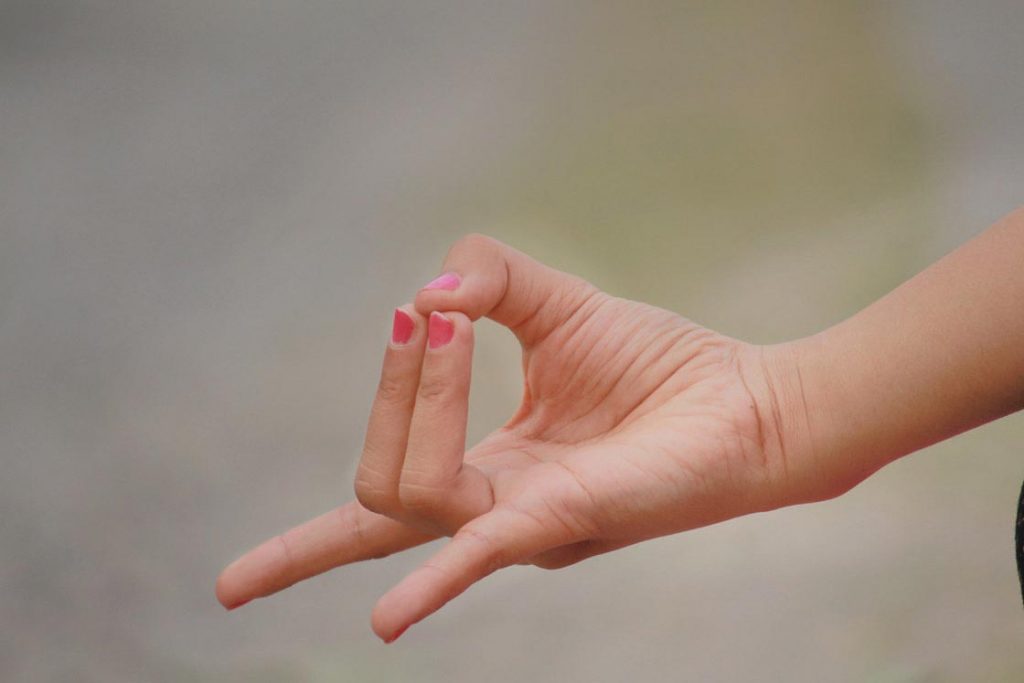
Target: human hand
635, 423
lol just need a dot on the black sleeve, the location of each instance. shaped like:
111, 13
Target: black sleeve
1020, 541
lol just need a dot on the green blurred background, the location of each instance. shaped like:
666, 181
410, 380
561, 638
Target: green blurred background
208, 210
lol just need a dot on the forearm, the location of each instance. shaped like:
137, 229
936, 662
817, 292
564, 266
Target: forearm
942, 353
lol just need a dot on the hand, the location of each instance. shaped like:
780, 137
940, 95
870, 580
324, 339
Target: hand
634, 423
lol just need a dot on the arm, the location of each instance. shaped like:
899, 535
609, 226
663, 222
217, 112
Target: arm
941, 354
637, 423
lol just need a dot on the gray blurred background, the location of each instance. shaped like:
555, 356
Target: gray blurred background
208, 210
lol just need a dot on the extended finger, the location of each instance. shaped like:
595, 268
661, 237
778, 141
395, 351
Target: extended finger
347, 534
380, 466
498, 539
436, 485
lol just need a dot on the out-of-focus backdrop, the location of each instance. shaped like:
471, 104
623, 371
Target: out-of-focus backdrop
209, 209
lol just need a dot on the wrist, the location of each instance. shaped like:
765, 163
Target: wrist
822, 444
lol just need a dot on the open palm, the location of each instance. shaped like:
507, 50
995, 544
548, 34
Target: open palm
634, 423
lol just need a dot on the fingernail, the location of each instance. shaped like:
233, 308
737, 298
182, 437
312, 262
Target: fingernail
396, 636
447, 281
440, 332
244, 602
402, 328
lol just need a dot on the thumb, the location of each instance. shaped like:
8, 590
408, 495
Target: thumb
484, 277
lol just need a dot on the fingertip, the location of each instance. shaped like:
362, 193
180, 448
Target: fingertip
440, 293
404, 605
402, 327
396, 636
384, 623
227, 590
255, 574
462, 323
221, 592
441, 330
245, 579
427, 301
445, 327
474, 296
448, 281
407, 326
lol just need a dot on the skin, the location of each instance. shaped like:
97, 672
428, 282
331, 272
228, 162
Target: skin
637, 423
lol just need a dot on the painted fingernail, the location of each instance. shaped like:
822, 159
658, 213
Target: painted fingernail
440, 331
397, 635
402, 328
447, 281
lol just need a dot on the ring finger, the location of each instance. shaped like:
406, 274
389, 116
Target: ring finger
387, 433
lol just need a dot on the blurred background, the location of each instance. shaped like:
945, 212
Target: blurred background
209, 209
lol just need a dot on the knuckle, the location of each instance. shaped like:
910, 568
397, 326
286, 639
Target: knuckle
391, 388
284, 544
374, 497
435, 390
421, 499
473, 243
493, 556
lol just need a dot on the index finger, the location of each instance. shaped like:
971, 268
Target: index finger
350, 533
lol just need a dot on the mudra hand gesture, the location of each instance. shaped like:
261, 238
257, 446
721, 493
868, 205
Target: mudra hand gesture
634, 423
637, 423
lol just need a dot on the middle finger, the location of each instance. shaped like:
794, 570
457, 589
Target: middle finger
436, 485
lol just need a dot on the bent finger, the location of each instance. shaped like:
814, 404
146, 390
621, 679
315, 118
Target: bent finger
380, 467
436, 486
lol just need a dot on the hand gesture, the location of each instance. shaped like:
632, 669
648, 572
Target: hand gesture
634, 423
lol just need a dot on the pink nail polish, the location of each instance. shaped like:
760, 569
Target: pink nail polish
448, 281
402, 328
440, 331
397, 635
